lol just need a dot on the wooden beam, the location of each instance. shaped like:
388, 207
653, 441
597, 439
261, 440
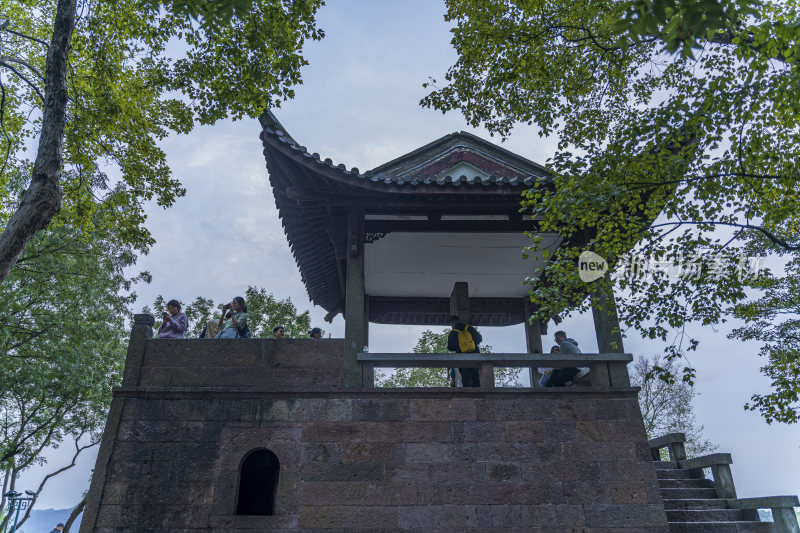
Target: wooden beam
451, 226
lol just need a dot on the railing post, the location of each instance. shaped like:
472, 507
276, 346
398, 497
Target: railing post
723, 481
618, 375
368, 374
598, 375
785, 520
141, 331
677, 451
487, 374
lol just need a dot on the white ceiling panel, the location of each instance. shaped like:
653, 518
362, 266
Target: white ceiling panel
428, 264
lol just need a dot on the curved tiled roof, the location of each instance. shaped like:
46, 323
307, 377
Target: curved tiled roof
310, 193
393, 172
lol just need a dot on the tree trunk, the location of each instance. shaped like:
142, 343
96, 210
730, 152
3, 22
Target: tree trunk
74, 514
42, 200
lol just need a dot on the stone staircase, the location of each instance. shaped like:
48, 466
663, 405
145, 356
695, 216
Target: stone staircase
695, 504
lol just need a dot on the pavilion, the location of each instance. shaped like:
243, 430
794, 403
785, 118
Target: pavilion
434, 232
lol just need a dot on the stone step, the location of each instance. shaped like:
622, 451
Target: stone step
694, 503
721, 527
691, 483
666, 465
677, 473
704, 493
710, 515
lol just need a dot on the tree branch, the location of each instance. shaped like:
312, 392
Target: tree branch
23, 78
48, 477
18, 34
78, 509
23, 63
769, 235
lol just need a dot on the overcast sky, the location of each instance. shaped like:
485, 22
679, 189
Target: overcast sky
359, 106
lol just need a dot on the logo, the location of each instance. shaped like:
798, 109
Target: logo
591, 266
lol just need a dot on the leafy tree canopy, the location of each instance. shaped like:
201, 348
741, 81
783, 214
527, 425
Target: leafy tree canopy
134, 74
63, 340
690, 161
774, 319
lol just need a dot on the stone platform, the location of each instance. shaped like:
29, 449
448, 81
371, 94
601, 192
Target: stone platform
365, 460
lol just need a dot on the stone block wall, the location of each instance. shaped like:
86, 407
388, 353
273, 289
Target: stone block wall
374, 460
288, 364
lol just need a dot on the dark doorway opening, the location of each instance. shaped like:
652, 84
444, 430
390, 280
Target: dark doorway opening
258, 483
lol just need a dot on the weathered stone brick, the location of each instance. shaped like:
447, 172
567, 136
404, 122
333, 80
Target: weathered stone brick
503, 471
611, 409
610, 491
552, 517
601, 451
349, 452
557, 494
424, 452
343, 472
358, 493
525, 431
504, 410
610, 515
430, 517
408, 431
380, 410
464, 409
323, 516
558, 470
487, 492
429, 472
334, 431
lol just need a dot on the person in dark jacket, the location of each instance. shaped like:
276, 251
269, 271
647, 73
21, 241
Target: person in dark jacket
58, 529
470, 377
559, 377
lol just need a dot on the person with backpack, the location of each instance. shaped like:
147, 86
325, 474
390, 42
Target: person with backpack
465, 339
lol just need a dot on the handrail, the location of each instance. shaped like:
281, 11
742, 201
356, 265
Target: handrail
607, 370
782, 508
674, 442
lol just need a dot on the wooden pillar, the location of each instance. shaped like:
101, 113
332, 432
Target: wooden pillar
366, 320
459, 305
533, 340
607, 330
355, 331
459, 301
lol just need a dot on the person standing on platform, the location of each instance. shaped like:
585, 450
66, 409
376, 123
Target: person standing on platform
465, 339
278, 332
559, 377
